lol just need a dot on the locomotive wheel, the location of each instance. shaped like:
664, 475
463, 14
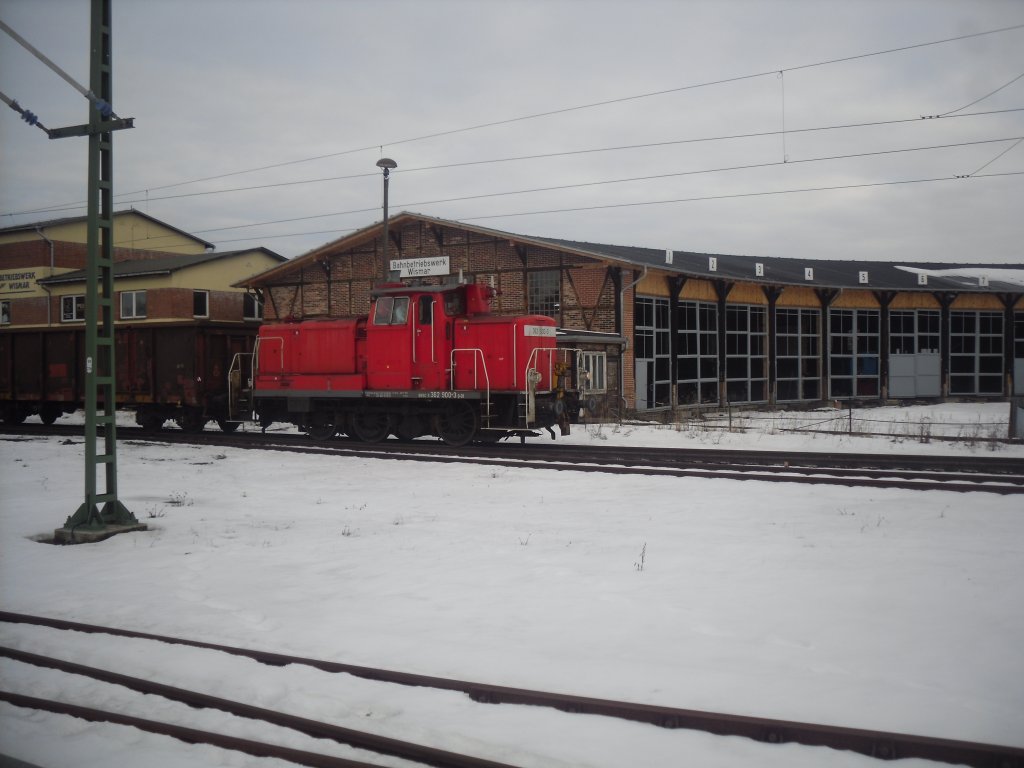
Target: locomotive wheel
371, 426
321, 426
458, 424
410, 427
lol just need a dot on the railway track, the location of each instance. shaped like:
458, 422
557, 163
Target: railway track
878, 744
958, 474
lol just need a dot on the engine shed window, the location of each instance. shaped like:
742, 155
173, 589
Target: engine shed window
72, 308
133, 304
5, 312
594, 366
391, 310
544, 291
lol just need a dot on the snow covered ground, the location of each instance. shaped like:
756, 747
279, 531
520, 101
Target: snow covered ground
887, 609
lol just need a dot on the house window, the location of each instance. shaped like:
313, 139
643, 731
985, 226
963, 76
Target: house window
252, 307
200, 303
72, 308
544, 293
5, 312
594, 366
133, 304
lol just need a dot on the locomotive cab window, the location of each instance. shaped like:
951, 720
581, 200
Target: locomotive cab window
426, 310
391, 310
454, 304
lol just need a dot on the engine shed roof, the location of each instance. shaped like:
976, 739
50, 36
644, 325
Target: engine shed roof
892, 275
776, 270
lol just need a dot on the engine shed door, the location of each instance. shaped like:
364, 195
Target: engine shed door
431, 349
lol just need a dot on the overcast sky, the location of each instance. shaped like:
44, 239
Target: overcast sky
225, 88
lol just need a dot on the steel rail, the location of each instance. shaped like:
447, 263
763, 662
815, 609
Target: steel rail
654, 463
361, 739
181, 733
596, 453
956, 474
880, 744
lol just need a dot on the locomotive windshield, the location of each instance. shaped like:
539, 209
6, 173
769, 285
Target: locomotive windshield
391, 310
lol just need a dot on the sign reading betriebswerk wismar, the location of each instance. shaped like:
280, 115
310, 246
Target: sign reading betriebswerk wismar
435, 265
19, 281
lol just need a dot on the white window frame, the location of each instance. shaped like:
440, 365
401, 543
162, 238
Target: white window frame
206, 294
5, 312
75, 316
257, 304
133, 298
595, 366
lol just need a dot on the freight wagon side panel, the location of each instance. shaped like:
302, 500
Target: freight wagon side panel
61, 366
6, 365
174, 365
134, 349
28, 366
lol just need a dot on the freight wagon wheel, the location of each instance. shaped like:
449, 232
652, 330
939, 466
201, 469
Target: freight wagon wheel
150, 422
191, 422
15, 415
48, 415
371, 426
458, 424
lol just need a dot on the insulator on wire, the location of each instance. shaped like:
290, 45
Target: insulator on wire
105, 109
29, 117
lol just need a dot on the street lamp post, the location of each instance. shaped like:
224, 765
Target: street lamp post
386, 164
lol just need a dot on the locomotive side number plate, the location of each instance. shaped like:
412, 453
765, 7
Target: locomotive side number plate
538, 330
419, 394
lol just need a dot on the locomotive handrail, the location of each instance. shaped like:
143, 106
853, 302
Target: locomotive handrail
483, 362
487, 379
256, 351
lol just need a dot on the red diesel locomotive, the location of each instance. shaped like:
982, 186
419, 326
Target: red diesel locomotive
428, 360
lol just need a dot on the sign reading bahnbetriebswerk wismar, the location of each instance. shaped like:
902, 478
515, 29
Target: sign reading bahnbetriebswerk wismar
436, 265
